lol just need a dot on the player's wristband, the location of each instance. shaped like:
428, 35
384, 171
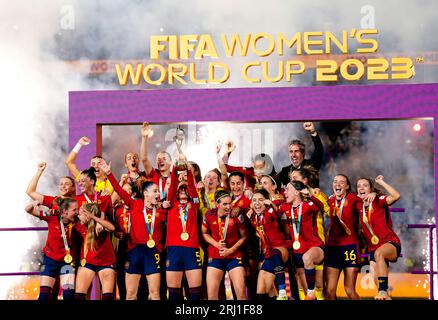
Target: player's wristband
77, 147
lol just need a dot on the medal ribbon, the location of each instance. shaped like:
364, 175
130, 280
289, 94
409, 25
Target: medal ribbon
85, 248
160, 187
131, 180
236, 200
367, 217
223, 230
207, 201
126, 226
184, 216
149, 226
337, 209
88, 199
297, 227
261, 230
64, 237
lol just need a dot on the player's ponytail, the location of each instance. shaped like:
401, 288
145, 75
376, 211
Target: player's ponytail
93, 208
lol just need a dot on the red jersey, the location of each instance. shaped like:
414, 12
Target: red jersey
183, 213
269, 231
212, 223
54, 247
139, 233
104, 254
104, 203
337, 233
241, 204
49, 202
123, 217
307, 233
156, 177
379, 219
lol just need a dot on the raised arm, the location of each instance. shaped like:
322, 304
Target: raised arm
319, 204
115, 196
117, 188
71, 158
146, 133
318, 151
394, 195
222, 167
32, 208
230, 148
31, 188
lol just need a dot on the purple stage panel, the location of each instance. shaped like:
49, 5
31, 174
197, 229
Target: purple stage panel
87, 109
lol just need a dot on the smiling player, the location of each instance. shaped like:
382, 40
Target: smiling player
57, 251
226, 236
145, 237
383, 244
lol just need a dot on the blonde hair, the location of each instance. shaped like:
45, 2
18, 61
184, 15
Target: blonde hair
91, 239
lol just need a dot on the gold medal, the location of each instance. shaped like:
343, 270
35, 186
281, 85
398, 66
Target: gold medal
374, 239
83, 262
184, 236
150, 243
296, 245
68, 258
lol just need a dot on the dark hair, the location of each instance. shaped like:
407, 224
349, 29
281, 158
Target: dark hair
64, 203
134, 189
263, 192
237, 174
97, 157
309, 173
346, 178
300, 145
196, 168
90, 173
298, 185
145, 185
218, 195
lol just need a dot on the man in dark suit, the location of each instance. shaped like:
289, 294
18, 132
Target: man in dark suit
297, 151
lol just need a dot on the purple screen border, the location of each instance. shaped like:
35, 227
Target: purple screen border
89, 108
